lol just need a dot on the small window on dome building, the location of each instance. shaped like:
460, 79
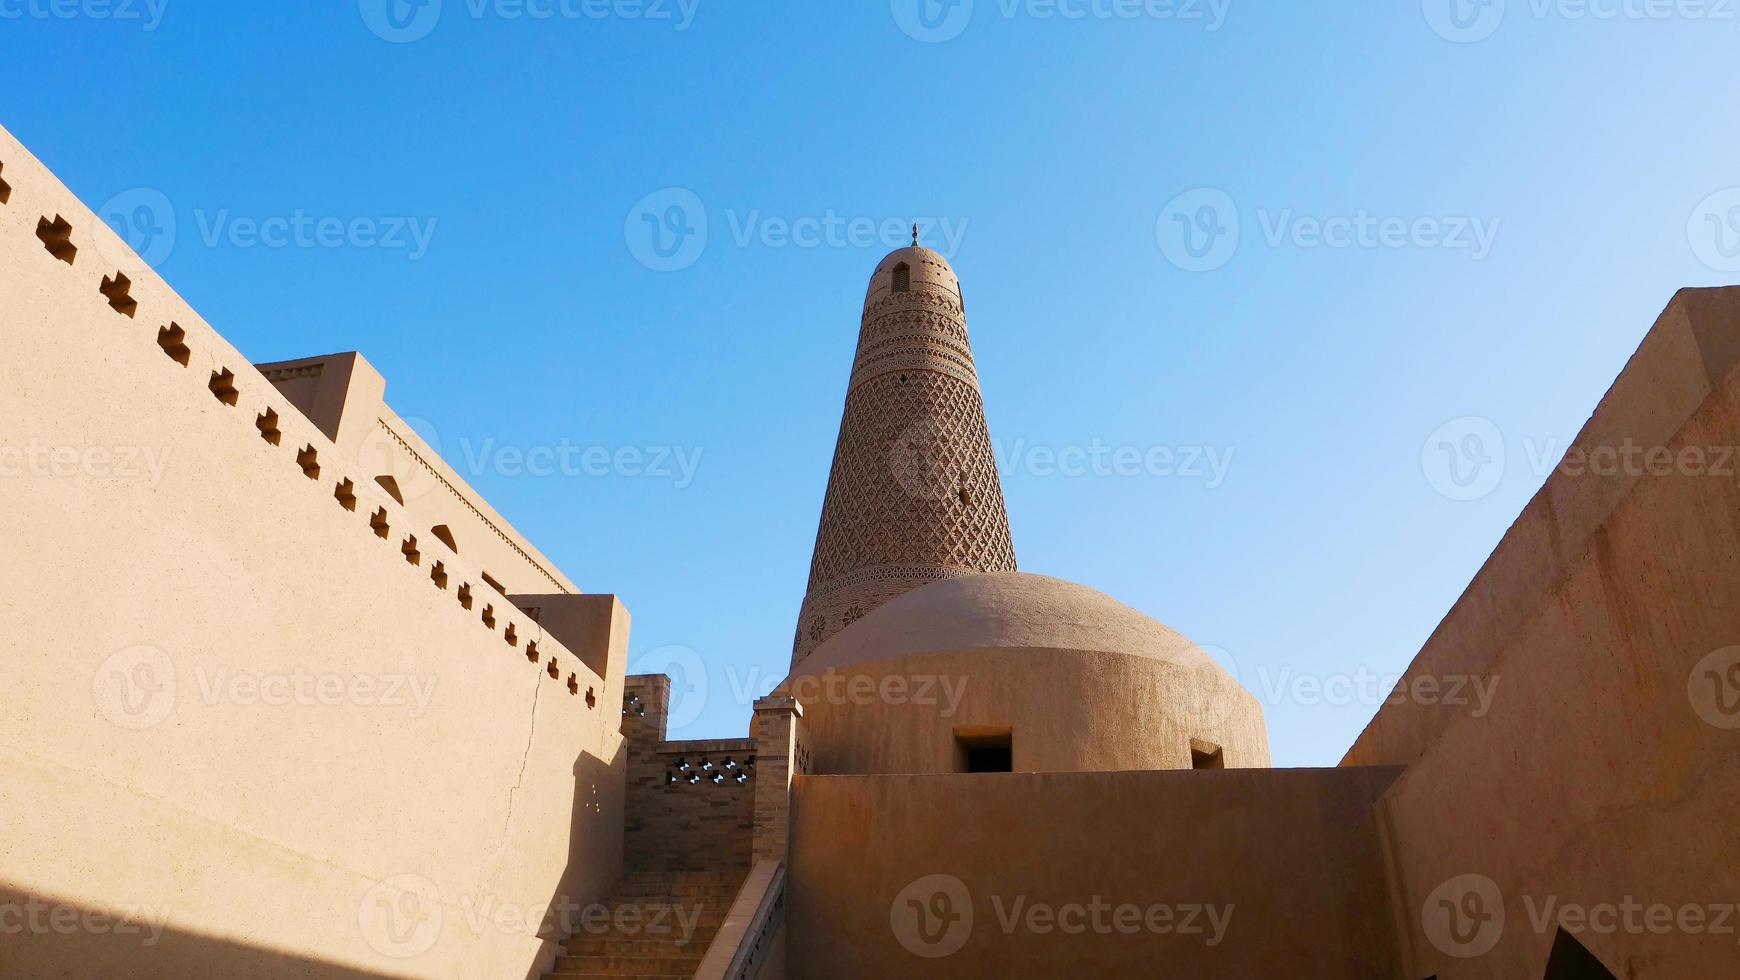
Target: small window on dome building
984, 750
902, 278
1206, 755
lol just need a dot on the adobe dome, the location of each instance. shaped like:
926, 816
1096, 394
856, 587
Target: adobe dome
929, 273
1006, 609
1065, 678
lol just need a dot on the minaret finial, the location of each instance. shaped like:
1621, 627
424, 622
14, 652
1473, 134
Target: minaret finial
915, 234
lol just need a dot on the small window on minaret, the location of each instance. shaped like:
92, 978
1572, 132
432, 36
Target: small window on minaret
902, 277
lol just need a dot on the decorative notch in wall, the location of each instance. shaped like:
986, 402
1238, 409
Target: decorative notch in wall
309, 459
56, 236
173, 340
438, 575
378, 521
345, 494
267, 423
223, 387
554, 671
409, 550
532, 651
116, 291
5, 188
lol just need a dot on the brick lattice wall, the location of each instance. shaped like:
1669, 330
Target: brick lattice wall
681, 826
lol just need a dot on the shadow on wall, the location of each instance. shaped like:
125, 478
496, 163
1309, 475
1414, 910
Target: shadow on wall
46, 936
42, 936
590, 875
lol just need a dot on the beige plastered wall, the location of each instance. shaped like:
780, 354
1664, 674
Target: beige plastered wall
1290, 859
1601, 776
235, 714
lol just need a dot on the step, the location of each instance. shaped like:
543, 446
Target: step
585, 945
675, 891
633, 966
689, 877
650, 925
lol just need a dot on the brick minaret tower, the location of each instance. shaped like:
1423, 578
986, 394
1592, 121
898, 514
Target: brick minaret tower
914, 495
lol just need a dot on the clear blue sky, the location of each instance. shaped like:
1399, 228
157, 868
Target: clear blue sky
1060, 144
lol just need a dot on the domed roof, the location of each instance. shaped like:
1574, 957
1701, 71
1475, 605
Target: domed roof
1003, 610
915, 256
927, 269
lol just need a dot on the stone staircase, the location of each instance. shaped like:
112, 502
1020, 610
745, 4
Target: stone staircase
660, 925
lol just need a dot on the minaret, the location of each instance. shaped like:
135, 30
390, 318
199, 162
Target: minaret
914, 495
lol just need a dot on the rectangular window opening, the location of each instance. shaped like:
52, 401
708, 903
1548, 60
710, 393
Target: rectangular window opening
1206, 755
980, 750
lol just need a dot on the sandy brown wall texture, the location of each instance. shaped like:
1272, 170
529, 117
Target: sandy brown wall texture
1599, 792
246, 729
1217, 874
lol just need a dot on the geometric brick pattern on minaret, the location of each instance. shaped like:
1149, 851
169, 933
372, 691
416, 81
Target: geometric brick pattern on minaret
914, 495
